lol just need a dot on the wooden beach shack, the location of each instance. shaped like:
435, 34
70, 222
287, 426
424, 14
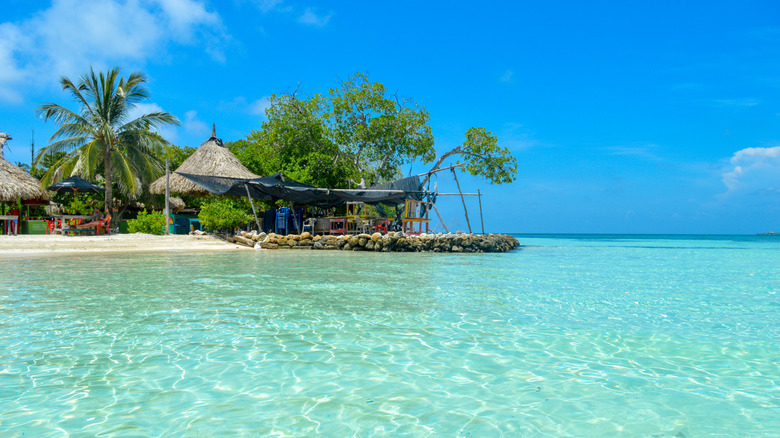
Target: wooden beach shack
16, 185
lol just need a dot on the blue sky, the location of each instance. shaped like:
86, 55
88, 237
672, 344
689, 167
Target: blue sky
625, 117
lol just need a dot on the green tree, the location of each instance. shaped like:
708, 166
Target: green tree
294, 140
481, 156
377, 133
101, 135
361, 133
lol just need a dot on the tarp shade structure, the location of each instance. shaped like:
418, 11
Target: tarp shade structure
393, 193
277, 186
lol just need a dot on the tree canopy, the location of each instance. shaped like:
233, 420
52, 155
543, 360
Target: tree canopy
360, 134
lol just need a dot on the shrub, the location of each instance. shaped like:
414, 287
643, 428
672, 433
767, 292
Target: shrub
149, 223
223, 213
79, 206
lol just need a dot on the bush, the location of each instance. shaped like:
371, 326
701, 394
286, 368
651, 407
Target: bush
148, 223
223, 213
79, 206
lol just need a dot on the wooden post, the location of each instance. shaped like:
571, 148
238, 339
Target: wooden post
167, 197
254, 212
440, 219
481, 222
462, 200
295, 221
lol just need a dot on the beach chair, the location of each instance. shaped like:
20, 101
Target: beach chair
381, 226
51, 225
104, 223
12, 225
308, 225
361, 226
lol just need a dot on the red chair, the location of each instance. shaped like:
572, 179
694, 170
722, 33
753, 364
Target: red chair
51, 225
12, 226
103, 223
381, 226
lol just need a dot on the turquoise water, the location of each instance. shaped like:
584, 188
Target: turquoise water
647, 336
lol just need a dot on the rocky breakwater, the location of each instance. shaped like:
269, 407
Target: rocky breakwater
390, 242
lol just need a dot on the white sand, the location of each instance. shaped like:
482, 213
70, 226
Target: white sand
23, 245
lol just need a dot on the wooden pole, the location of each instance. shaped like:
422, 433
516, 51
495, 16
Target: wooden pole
440, 219
167, 197
295, 221
254, 212
481, 222
462, 200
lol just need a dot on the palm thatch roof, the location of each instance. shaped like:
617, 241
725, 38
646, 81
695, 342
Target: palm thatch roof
176, 204
15, 183
212, 158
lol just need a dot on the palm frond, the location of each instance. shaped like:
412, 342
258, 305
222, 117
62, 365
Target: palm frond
60, 170
124, 174
90, 156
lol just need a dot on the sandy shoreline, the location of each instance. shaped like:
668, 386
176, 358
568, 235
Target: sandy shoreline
25, 245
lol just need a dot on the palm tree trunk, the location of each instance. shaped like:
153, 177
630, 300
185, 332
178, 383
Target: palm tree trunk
109, 202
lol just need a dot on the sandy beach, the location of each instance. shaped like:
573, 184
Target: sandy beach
24, 245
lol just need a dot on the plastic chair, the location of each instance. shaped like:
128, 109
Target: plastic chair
103, 223
12, 226
308, 225
181, 225
51, 225
381, 227
361, 227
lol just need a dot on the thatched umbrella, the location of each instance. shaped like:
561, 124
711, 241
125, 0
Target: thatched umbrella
15, 183
176, 204
212, 158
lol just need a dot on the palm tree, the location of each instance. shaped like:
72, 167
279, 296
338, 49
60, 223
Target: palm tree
102, 131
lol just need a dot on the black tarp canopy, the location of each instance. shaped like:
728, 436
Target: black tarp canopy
278, 186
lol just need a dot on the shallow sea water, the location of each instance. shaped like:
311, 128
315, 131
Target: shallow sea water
651, 336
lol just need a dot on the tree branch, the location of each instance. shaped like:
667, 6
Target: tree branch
457, 150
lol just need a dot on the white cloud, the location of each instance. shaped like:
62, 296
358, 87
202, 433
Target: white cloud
644, 152
240, 104
269, 5
195, 127
736, 102
140, 109
516, 137
311, 18
10, 73
507, 76
259, 106
755, 170
72, 34
187, 15
167, 132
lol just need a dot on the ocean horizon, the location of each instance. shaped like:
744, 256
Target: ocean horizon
571, 335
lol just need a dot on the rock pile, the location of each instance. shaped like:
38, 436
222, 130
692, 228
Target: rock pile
390, 242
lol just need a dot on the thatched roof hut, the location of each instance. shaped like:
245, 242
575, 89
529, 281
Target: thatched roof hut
15, 183
212, 158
